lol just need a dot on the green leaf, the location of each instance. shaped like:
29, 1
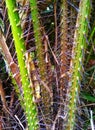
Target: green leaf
88, 96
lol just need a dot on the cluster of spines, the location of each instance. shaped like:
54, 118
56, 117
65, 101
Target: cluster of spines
30, 107
79, 46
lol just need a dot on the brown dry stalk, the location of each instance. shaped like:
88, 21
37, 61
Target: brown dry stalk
3, 98
2, 94
47, 58
23, 2
1, 123
13, 66
33, 77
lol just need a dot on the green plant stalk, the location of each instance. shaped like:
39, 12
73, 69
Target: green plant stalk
79, 47
40, 54
38, 37
30, 107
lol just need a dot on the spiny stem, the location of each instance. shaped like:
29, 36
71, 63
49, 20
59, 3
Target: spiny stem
30, 107
78, 50
40, 54
64, 39
38, 37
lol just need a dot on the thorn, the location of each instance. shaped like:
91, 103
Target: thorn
15, 10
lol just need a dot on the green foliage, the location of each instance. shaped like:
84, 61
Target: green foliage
88, 96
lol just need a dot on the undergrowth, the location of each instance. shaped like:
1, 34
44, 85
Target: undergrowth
56, 44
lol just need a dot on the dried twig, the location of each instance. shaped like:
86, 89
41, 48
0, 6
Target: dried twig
7, 56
